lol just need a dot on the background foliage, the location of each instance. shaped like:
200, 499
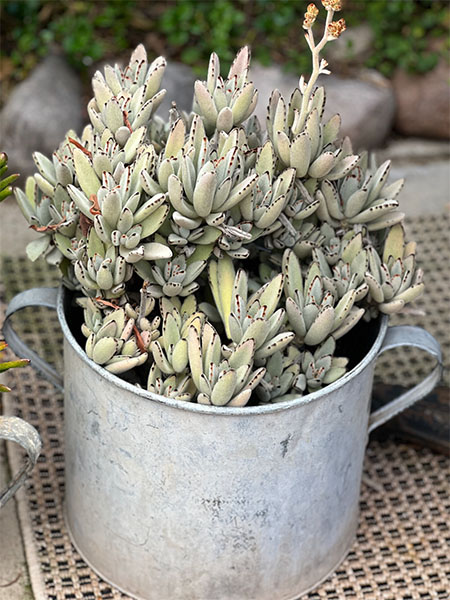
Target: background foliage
405, 31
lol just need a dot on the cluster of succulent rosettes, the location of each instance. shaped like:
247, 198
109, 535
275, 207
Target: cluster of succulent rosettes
119, 338
282, 376
362, 197
204, 181
255, 317
190, 362
110, 338
222, 377
170, 351
66, 197
301, 141
343, 264
173, 277
313, 311
216, 259
321, 367
393, 279
125, 100
224, 104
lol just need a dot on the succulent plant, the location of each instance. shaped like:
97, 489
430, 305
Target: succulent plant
5, 181
215, 262
112, 339
281, 376
321, 367
224, 104
221, 381
361, 198
9, 364
393, 279
313, 311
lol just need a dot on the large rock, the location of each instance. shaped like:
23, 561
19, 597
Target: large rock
179, 81
366, 106
39, 112
423, 103
353, 48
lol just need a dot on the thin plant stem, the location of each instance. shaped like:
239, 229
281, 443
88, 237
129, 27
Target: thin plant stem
315, 51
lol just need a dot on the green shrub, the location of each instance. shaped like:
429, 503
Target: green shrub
405, 31
85, 30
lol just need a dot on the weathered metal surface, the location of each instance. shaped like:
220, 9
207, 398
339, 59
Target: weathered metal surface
46, 297
407, 335
171, 500
16, 430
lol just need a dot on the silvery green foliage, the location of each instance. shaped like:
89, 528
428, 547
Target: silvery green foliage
212, 258
393, 279
361, 198
110, 338
282, 375
221, 378
170, 351
175, 387
314, 313
224, 104
172, 277
321, 367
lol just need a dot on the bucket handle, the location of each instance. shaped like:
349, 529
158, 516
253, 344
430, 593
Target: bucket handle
408, 335
401, 335
46, 297
17, 430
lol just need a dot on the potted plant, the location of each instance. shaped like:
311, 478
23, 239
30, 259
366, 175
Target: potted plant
13, 428
234, 287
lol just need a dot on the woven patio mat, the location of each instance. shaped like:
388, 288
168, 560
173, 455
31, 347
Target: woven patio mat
403, 543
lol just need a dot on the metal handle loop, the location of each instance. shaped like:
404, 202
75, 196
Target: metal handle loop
17, 430
408, 335
46, 297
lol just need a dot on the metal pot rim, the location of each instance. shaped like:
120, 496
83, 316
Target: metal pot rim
218, 410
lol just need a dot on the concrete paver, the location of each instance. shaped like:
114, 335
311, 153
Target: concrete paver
14, 583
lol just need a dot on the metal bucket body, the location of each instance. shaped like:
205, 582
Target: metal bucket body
178, 501
171, 500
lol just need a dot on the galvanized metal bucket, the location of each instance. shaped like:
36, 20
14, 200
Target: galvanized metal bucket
169, 500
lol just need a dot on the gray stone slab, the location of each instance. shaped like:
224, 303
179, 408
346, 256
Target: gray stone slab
425, 166
14, 582
423, 102
15, 232
179, 82
427, 187
39, 112
415, 149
